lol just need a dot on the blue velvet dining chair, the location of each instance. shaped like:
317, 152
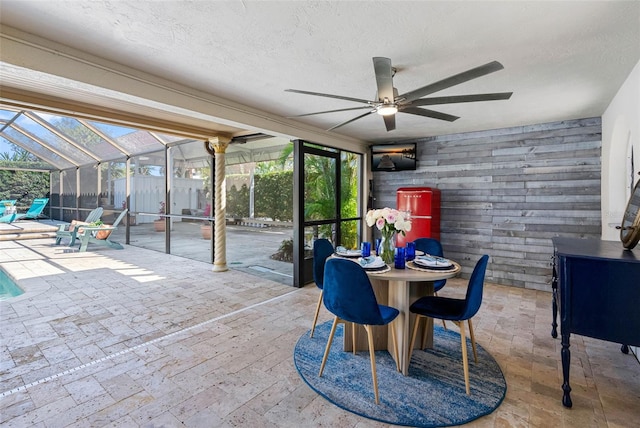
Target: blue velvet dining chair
349, 296
456, 310
322, 249
431, 246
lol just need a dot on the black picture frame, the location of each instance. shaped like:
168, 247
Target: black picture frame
393, 157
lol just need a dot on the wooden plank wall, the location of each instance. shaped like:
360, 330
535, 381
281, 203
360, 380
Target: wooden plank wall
507, 192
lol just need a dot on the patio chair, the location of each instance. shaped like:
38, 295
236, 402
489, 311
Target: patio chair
456, 310
434, 247
322, 249
100, 235
34, 211
4, 203
347, 293
70, 230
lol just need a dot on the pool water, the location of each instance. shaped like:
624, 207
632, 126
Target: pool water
7, 287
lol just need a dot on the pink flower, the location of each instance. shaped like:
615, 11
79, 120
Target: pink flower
388, 219
391, 217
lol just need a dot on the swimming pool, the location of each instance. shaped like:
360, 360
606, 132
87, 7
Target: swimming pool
7, 287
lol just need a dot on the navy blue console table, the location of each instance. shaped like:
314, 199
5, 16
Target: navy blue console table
597, 284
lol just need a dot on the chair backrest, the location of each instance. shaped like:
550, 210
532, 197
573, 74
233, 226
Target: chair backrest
348, 293
37, 207
474, 289
120, 217
94, 215
11, 202
322, 249
433, 247
429, 246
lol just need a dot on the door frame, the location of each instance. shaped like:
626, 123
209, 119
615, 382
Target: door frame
302, 268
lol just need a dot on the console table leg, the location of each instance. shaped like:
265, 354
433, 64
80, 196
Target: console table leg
554, 305
566, 360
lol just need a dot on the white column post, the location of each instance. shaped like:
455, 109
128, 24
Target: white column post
220, 145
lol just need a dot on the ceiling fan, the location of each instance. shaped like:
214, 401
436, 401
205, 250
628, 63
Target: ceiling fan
388, 102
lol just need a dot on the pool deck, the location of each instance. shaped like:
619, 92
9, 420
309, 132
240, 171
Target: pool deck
138, 338
249, 249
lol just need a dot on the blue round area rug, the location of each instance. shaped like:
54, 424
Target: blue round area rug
432, 395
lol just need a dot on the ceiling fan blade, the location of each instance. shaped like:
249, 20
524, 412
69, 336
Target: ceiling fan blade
319, 94
350, 120
330, 111
390, 122
429, 113
384, 78
453, 80
462, 99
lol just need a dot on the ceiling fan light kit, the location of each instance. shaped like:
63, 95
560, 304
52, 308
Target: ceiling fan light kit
387, 109
388, 102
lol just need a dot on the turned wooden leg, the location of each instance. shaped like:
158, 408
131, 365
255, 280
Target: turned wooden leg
566, 363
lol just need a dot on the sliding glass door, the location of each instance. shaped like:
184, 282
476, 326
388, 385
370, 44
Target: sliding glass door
328, 190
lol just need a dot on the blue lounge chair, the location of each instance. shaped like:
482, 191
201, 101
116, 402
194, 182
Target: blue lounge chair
34, 211
4, 203
70, 230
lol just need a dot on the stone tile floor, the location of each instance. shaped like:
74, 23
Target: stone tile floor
136, 338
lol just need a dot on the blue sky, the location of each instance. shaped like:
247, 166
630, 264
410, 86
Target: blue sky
4, 146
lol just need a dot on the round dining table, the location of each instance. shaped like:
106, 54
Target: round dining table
399, 288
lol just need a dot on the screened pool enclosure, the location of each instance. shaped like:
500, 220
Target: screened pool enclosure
167, 183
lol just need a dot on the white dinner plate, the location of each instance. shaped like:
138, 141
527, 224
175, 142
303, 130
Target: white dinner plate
432, 261
371, 262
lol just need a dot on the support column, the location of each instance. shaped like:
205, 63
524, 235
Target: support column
220, 145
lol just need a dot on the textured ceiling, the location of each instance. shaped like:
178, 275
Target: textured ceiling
563, 60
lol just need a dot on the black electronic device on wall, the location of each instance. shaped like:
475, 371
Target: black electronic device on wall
393, 157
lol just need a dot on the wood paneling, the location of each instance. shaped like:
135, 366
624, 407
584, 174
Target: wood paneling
507, 192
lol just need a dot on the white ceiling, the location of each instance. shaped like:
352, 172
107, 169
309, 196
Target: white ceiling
563, 60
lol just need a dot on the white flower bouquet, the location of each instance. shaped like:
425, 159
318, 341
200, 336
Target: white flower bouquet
388, 221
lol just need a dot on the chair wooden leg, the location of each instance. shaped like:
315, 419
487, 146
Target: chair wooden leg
353, 337
315, 318
423, 344
473, 342
372, 355
465, 361
413, 336
326, 351
444, 324
395, 347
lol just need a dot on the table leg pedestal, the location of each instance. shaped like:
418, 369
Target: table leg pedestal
400, 295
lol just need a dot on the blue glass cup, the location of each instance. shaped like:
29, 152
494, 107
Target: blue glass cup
411, 250
400, 257
366, 249
378, 246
